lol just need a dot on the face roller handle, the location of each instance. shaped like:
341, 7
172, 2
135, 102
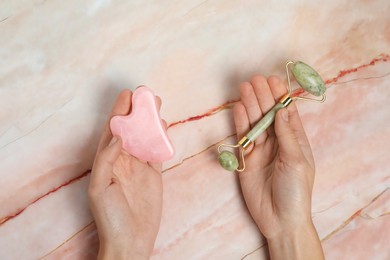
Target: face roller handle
265, 122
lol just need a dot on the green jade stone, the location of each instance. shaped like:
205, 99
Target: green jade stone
308, 78
264, 123
228, 161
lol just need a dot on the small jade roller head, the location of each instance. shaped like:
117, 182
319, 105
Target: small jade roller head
308, 79
228, 161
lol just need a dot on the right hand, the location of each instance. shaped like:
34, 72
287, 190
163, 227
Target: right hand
278, 180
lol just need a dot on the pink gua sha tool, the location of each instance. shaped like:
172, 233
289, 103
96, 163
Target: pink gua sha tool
142, 131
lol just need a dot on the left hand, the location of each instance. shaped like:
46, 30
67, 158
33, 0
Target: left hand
125, 196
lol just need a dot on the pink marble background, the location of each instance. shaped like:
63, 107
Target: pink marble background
64, 62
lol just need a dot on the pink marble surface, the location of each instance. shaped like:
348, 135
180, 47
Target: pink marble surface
64, 62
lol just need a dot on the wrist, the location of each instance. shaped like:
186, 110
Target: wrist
112, 253
301, 242
124, 251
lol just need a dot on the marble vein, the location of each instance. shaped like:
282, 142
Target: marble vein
29, 132
4, 19
381, 58
198, 153
363, 78
195, 7
353, 216
71, 237
20, 211
46, 119
252, 252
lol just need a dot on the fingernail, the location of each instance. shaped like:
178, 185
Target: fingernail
113, 141
285, 115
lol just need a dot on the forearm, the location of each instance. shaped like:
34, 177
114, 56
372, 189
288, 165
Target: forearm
302, 243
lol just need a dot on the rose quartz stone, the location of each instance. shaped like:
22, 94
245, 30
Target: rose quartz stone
142, 131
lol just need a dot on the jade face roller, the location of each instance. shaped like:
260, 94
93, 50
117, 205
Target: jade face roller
308, 79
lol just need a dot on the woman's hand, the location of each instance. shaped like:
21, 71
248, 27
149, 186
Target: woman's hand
125, 196
278, 180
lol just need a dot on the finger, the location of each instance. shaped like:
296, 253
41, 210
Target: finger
122, 106
165, 124
278, 90
158, 102
249, 100
241, 120
289, 148
156, 166
299, 131
277, 87
263, 93
102, 168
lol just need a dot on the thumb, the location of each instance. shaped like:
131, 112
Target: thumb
112, 151
102, 169
288, 143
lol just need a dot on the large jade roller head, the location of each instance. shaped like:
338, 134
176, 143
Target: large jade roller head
308, 79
